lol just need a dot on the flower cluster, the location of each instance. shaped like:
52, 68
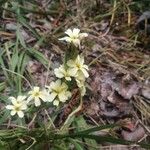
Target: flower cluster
18, 106
57, 91
36, 95
75, 68
74, 36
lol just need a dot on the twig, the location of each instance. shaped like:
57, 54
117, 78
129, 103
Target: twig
51, 122
31, 122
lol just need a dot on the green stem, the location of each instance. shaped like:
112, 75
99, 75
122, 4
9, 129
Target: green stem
71, 53
68, 120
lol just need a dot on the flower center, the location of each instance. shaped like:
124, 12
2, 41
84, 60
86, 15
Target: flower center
17, 107
56, 90
74, 37
66, 74
36, 94
78, 66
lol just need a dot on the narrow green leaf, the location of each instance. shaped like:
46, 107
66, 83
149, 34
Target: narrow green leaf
102, 139
2, 66
4, 116
81, 124
25, 23
2, 86
14, 61
101, 127
20, 37
38, 55
22, 62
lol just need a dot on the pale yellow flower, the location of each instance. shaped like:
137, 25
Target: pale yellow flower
62, 72
78, 67
58, 92
74, 36
81, 85
37, 95
18, 106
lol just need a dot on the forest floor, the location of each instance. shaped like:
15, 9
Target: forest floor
116, 50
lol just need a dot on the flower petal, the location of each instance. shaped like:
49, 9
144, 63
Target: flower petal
13, 112
78, 60
23, 107
58, 73
69, 32
72, 71
10, 107
76, 32
56, 102
83, 35
81, 59
64, 86
52, 96
14, 101
71, 63
20, 98
37, 102
66, 38
49, 87
29, 98
68, 94
20, 114
80, 76
68, 78
85, 72
80, 83
62, 97
58, 83
44, 97
12, 98
36, 89
86, 67
76, 42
